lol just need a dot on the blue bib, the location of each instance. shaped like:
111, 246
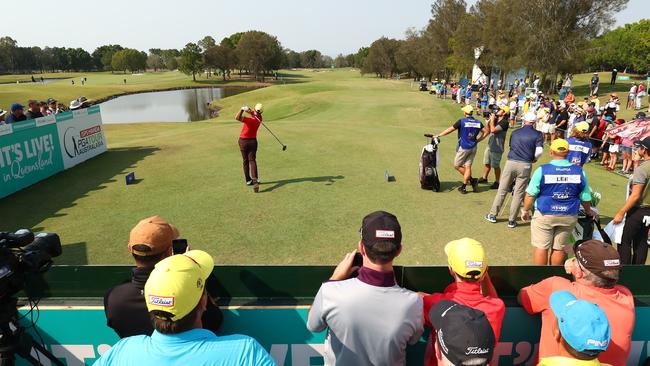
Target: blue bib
579, 151
560, 190
468, 131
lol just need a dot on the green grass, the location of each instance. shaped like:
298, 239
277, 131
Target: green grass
342, 130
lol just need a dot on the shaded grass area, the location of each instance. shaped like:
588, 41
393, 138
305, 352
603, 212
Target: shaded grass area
343, 132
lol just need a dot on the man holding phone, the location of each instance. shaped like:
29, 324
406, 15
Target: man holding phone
151, 240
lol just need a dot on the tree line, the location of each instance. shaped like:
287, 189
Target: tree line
546, 37
254, 52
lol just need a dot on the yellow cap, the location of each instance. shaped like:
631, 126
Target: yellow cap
259, 107
505, 108
176, 283
466, 257
560, 145
582, 126
468, 109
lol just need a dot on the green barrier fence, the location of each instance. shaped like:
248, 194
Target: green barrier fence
270, 303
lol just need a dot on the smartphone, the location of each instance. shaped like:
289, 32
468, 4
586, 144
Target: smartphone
179, 246
358, 260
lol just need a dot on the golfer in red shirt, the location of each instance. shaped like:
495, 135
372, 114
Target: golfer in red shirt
472, 287
248, 142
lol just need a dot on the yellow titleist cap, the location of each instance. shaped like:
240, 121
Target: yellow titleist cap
466, 257
560, 145
176, 283
468, 109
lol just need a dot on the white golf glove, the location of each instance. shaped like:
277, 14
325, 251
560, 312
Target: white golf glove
246, 108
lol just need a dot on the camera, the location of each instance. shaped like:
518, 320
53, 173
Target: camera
22, 253
491, 109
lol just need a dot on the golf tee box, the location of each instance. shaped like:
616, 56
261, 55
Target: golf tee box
130, 178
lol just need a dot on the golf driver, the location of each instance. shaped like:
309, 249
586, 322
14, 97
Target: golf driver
284, 147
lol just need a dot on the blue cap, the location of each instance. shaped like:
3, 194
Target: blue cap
16, 106
51, 100
608, 118
583, 325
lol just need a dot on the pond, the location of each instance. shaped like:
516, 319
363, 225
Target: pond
183, 105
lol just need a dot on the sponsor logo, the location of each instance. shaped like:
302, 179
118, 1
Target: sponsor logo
6, 129
560, 195
166, 301
558, 208
597, 343
385, 234
612, 262
78, 143
473, 264
476, 351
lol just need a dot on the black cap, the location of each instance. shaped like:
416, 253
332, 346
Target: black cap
640, 115
380, 226
462, 333
643, 143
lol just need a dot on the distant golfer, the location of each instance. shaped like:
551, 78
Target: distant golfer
248, 142
470, 133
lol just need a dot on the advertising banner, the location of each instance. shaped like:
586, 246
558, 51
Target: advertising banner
81, 137
80, 336
29, 152
33, 150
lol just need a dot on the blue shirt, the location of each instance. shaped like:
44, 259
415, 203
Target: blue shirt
468, 130
198, 347
546, 192
579, 151
523, 143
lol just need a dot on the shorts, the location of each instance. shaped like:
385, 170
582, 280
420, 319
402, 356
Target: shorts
606, 147
595, 142
547, 127
513, 114
551, 231
626, 149
491, 158
613, 148
464, 157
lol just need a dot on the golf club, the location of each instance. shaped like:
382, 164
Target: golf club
284, 147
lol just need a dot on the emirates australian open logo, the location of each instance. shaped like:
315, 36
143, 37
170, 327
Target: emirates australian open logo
78, 143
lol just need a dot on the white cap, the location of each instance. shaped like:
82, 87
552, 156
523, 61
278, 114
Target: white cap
530, 117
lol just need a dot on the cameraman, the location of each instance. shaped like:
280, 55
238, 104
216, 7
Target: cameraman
150, 242
497, 125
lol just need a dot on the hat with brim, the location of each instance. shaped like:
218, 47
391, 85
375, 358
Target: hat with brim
2, 112
560, 146
75, 104
468, 109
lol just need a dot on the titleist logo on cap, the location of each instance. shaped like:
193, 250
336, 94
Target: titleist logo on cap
473, 264
476, 351
612, 262
385, 234
166, 301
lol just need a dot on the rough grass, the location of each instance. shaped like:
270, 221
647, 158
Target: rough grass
342, 130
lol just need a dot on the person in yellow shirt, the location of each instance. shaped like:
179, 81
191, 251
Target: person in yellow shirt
583, 331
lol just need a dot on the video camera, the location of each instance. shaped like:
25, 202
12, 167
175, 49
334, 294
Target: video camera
22, 253
491, 109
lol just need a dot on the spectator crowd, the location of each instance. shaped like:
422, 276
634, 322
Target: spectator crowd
37, 109
166, 315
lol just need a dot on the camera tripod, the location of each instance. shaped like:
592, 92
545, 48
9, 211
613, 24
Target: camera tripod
15, 341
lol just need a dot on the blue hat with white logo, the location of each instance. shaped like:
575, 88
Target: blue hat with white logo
583, 325
16, 106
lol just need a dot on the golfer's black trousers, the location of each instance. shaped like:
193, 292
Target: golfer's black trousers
634, 241
248, 148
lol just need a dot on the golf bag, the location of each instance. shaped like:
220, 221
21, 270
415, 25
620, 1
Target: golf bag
429, 165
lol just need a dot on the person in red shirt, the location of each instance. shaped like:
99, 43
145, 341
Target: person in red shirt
472, 287
248, 142
595, 270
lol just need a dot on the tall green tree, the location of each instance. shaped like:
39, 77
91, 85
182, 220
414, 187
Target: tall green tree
220, 57
381, 58
103, 56
445, 16
206, 42
191, 60
259, 52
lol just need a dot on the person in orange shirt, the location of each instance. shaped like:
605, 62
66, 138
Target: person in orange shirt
248, 142
595, 270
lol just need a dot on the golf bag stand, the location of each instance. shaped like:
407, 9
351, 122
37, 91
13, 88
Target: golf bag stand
429, 165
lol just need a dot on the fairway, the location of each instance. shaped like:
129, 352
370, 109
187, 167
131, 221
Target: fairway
343, 132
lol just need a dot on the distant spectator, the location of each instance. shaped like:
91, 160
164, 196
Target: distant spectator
584, 331
631, 97
75, 104
43, 108
370, 319
640, 93
472, 287
16, 114
570, 97
61, 107
497, 125
526, 146
636, 210
579, 144
176, 299
595, 271
556, 191
561, 121
594, 84
614, 73
463, 335
52, 107
34, 110
150, 242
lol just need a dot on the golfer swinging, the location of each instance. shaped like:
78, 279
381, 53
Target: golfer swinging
248, 142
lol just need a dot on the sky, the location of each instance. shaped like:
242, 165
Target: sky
333, 26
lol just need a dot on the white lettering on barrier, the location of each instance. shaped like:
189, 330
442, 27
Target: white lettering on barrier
74, 354
301, 354
279, 353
